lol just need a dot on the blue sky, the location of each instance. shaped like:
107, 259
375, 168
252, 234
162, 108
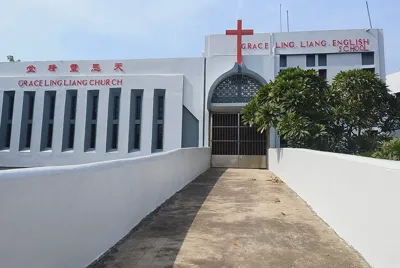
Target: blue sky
103, 29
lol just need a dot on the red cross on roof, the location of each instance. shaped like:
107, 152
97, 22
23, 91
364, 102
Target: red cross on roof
239, 32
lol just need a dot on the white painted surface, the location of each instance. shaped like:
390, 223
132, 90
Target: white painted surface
196, 75
393, 82
173, 84
66, 217
357, 196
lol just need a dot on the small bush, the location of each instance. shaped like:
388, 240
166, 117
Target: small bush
390, 150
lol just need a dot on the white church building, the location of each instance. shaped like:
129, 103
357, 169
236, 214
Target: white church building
71, 112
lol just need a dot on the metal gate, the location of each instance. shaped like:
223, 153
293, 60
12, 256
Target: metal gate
236, 145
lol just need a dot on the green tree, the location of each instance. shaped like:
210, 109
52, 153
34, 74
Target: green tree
354, 115
389, 150
10, 58
366, 112
298, 104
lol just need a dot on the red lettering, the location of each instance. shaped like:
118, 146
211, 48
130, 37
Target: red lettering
31, 84
301, 44
45, 83
73, 82
107, 82
91, 82
366, 41
59, 83
65, 83
52, 67
118, 66
96, 67
249, 45
85, 82
243, 46
277, 45
31, 69
116, 82
20, 83
323, 43
73, 68
41, 83
266, 45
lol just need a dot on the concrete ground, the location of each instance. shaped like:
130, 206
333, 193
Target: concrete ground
233, 218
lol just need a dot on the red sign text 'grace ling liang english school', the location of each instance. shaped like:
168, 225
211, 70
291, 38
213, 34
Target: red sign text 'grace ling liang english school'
343, 45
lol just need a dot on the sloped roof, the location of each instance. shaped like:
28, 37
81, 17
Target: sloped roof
393, 81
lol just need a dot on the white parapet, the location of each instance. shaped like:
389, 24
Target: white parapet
68, 216
357, 196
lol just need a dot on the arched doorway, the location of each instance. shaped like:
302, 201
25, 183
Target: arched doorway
234, 144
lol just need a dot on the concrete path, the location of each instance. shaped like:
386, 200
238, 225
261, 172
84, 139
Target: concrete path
233, 218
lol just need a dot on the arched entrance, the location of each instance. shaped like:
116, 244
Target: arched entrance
234, 144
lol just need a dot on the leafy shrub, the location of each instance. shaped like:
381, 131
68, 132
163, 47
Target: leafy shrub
389, 150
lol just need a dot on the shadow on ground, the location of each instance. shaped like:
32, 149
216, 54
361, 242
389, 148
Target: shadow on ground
157, 240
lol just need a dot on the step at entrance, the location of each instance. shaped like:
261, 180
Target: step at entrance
236, 145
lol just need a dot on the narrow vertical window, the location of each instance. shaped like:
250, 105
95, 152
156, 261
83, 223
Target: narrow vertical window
322, 73
91, 119
135, 119
113, 119
310, 60
283, 61
159, 136
158, 120
322, 60
6, 119
367, 58
69, 120
46, 141
27, 120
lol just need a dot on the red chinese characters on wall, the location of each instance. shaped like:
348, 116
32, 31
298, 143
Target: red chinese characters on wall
118, 66
73, 68
52, 67
31, 69
96, 67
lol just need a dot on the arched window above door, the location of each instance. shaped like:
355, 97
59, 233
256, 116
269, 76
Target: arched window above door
237, 88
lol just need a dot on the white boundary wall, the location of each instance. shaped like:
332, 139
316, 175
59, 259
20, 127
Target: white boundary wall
68, 216
357, 196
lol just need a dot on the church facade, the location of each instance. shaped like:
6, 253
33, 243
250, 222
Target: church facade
73, 112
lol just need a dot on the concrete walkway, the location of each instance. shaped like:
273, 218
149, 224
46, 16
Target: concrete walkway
233, 218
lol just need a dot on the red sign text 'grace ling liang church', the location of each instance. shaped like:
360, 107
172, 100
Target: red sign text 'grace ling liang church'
73, 112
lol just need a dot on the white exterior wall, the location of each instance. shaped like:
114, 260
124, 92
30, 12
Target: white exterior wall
196, 75
182, 79
357, 196
220, 53
67, 217
173, 85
